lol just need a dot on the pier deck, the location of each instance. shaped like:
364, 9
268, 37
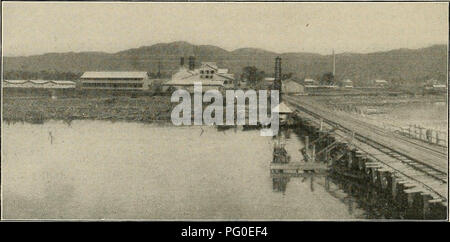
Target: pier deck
421, 168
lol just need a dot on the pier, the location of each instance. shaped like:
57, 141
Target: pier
412, 173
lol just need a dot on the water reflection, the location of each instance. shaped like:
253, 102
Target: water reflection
362, 197
94, 169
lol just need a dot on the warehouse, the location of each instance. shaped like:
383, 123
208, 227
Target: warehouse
38, 88
115, 80
54, 84
292, 87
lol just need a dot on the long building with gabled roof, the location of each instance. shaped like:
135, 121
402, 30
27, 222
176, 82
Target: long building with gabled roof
115, 80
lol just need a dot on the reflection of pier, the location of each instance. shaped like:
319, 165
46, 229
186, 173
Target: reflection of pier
282, 169
347, 174
298, 167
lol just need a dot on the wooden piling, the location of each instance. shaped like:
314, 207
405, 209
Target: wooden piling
426, 206
410, 199
382, 177
307, 145
350, 160
394, 186
313, 153
373, 172
327, 183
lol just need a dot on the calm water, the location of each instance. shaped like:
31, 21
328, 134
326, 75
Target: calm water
96, 169
429, 115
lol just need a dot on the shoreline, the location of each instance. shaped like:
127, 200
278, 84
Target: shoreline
157, 109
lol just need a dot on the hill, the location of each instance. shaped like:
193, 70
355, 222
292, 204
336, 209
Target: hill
400, 64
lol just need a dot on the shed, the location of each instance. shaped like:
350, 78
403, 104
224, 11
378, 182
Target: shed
292, 87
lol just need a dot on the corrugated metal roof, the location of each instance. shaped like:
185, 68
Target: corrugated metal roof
39, 84
291, 87
210, 64
184, 82
226, 75
16, 81
222, 71
282, 108
439, 86
64, 82
114, 74
59, 82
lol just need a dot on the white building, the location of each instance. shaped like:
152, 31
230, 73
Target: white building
292, 87
347, 83
208, 74
115, 80
310, 83
380, 83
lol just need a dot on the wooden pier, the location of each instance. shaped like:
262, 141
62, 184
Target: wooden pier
414, 175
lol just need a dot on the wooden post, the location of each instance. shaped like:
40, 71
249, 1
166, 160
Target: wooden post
409, 130
374, 175
360, 163
313, 153
321, 124
382, 176
327, 183
307, 145
394, 186
350, 159
437, 137
426, 206
410, 198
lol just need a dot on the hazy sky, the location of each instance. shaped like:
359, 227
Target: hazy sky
36, 28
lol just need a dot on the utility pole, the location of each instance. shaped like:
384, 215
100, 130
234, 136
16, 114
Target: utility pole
334, 64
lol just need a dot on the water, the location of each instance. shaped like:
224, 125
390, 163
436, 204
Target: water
97, 169
429, 115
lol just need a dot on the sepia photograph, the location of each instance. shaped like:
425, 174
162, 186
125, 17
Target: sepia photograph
224, 111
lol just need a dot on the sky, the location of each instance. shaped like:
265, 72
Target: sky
37, 28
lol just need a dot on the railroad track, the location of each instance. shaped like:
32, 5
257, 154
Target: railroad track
438, 173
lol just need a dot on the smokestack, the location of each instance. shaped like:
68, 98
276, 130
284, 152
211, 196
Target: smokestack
191, 63
278, 70
159, 70
277, 81
182, 61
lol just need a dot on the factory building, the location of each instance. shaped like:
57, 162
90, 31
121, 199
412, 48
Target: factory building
115, 80
45, 84
209, 74
38, 88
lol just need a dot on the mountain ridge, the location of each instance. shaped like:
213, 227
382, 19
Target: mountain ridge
414, 64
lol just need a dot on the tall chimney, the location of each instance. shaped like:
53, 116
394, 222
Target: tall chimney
191, 63
277, 81
182, 61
